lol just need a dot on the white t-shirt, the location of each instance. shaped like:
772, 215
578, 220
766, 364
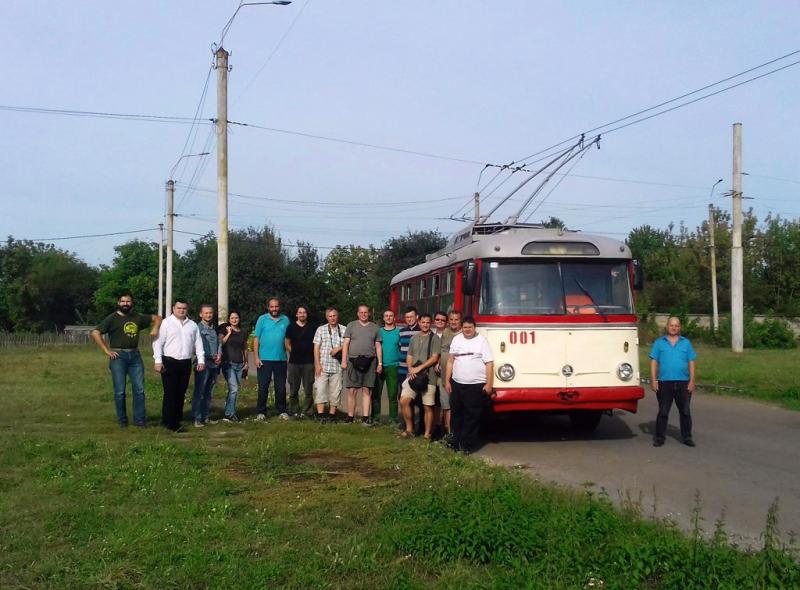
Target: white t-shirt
470, 356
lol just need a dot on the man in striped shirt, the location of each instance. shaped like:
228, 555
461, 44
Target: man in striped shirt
412, 327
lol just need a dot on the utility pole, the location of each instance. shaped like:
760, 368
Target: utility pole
477, 207
160, 305
170, 223
737, 255
711, 223
221, 65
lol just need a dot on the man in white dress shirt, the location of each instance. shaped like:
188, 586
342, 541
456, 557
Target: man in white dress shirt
178, 339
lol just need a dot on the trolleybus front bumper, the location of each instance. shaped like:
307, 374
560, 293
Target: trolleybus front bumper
567, 398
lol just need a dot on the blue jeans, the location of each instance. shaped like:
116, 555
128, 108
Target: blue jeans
204, 382
128, 364
233, 375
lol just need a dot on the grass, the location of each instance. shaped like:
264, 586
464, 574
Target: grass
767, 375
84, 504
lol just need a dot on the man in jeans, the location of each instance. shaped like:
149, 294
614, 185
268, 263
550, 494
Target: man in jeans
300, 343
672, 378
204, 381
125, 360
269, 344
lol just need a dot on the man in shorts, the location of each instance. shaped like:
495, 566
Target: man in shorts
328, 342
361, 356
423, 354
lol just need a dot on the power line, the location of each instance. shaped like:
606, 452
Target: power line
191, 137
677, 98
99, 114
274, 51
118, 233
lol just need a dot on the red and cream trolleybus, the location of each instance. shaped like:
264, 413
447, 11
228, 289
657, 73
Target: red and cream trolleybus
557, 307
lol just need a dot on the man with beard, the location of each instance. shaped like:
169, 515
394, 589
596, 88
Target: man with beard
269, 344
125, 361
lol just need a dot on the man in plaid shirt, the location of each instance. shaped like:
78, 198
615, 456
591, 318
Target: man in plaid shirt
328, 340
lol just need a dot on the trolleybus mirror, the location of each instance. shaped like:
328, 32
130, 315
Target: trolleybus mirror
470, 278
638, 275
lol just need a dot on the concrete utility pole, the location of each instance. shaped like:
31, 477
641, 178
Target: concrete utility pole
160, 305
477, 207
221, 66
737, 255
170, 224
715, 308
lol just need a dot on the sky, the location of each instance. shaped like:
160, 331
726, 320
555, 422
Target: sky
460, 83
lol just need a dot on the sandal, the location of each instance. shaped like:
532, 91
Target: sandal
406, 434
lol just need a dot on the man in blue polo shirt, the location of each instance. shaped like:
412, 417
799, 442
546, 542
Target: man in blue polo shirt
672, 378
269, 344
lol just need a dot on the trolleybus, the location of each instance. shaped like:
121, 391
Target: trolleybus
557, 307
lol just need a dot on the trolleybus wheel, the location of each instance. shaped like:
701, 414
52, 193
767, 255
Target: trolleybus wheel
585, 421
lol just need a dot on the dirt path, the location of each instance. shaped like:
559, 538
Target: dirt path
747, 455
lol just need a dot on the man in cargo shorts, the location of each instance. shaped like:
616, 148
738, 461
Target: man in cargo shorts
328, 341
423, 354
361, 360
452, 330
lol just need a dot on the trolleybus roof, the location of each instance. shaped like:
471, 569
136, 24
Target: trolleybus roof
498, 240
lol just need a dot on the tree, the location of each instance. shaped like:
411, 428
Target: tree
348, 278
42, 287
134, 269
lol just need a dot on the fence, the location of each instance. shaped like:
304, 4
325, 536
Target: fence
66, 338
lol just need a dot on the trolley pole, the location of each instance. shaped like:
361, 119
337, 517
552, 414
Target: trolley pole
477, 207
221, 66
170, 224
737, 255
160, 305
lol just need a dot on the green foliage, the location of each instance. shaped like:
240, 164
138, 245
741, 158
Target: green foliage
42, 287
347, 278
134, 269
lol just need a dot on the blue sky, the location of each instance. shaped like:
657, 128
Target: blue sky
485, 82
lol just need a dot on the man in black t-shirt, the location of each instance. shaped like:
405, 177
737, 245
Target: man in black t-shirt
125, 361
300, 344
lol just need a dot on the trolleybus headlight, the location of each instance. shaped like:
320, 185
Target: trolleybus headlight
506, 372
625, 371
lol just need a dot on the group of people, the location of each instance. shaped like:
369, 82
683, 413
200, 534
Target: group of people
436, 369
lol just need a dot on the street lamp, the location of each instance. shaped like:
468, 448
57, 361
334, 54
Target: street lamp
170, 223
242, 5
221, 65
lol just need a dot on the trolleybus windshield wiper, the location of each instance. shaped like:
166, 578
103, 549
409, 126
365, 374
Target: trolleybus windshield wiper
589, 295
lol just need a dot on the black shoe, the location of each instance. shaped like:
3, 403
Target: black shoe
348, 420
231, 418
180, 429
658, 443
690, 443
140, 424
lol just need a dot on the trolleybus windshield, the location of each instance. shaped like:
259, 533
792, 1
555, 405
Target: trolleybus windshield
548, 287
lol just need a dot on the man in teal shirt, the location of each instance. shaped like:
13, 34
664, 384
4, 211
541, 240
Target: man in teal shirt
269, 344
391, 356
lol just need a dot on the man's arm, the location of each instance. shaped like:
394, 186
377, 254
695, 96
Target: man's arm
654, 374
379, 353
155, 323
448, 374
256, 346
692, 386
317, 361
489, 377
287, 344
199, 351
158, 347
98, 338
345, 350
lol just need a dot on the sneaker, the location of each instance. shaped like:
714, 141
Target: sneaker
209, 421
365, 421
231, 418
658, 443
261, 417
690, 443
140, 424
198, 424
298, 416
284, 416
348, 420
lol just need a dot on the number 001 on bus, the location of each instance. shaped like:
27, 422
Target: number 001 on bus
557, 307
